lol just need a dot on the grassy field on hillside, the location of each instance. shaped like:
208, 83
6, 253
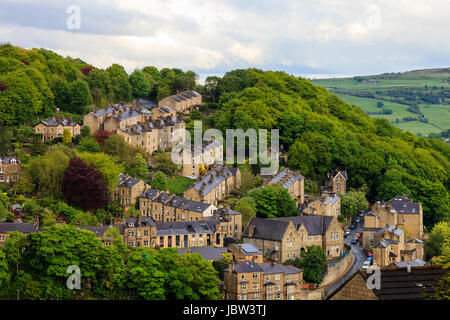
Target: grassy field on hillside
426, 90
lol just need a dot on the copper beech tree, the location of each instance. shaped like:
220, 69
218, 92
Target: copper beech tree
84, 186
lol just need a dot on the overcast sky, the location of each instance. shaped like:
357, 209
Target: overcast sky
308, 38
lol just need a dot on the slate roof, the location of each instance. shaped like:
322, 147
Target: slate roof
316, 225
412, 263
98, 230
269, 268
293, 177
175, 201
7, 160
331, 200
132, 222
20, 227
246, 266
56, 122
248, 249
386, 242
128, 182
268, 229
404, 205
391, 229
399, 284
208, 253
186, 227
204, 185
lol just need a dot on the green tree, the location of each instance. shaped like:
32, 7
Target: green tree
140, 85
273, 201
67, 137
353, 202
88, 144
46, 172
245, 207
159, 181
438, 239
4, 273
137, 166
312, 262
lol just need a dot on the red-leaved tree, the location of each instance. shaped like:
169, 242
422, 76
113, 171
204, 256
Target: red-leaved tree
3, 86
86, 70
102, 135
84, 186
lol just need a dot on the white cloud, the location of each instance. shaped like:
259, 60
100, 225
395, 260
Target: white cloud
328, 36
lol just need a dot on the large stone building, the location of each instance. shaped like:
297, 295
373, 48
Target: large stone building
129, 189
145, 232
389, 246
294, 182
159, 134
324, 206
165, 207
281, 239
406, 283
54, 128
116, 116
187, 234
215, 185
401, 212
182, 102
336, 183
10, 169
203, 155
267, 281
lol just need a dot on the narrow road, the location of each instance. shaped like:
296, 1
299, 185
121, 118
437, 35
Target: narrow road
359, 255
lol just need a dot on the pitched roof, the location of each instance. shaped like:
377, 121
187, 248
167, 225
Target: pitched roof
247, 266
127, 182
20, 227
268, 229
286, 178
56, 122
208, 253
186, 227
314, 224
399, 284
248, 249
412, 263
269, 268
7, 160
403, 204
211, 180
175, 201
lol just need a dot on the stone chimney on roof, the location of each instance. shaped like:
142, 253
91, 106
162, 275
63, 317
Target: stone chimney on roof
211, 178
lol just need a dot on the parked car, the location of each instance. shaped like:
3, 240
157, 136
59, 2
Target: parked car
353, 226
361, 214
366, 264
358, 235
357, 220
348, 232
369, 254
355, 240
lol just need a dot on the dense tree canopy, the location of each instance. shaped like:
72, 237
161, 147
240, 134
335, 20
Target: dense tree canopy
321, 132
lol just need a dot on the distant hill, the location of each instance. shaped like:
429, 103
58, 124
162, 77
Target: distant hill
34, 82
417, 101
